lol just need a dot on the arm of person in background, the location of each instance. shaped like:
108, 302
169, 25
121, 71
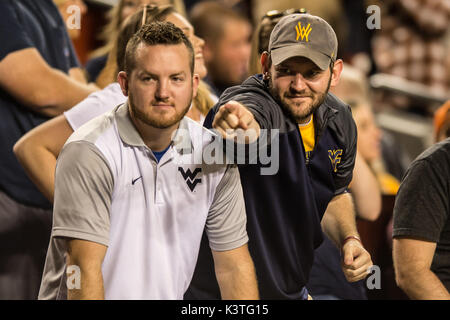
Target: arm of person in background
412, 262
235, 274
78, 75
38, 150
339, 224
365, 191
88, 256
26, 76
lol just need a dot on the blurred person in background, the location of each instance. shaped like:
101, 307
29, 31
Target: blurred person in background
38, 150
116, 16
34, 42
353, 89
227, 43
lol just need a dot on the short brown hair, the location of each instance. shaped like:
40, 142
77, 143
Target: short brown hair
157, 33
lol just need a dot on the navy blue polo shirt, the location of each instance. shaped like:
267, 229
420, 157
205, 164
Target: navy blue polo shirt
284, 210
27, 24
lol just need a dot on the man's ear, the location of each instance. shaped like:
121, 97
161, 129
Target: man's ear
195, 83
265, 62
122, 79
336, 72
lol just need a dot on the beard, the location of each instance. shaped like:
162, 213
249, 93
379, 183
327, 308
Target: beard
159, 120
300, 112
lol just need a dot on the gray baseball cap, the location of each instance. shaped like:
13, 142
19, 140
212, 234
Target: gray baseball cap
303, 35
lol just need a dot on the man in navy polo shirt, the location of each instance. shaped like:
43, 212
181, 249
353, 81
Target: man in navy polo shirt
37, 70
317, 147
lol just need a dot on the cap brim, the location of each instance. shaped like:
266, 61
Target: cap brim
298, 50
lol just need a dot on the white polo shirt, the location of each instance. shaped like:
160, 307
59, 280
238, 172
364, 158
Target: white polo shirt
110, 189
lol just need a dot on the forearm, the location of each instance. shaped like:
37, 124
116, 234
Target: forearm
238, 283
422, 285
338, 221
91, 287
59, 94
365, 190
39, 164
235, 274
88, 257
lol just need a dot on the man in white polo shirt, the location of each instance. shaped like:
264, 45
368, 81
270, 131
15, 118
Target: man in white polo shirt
130, 201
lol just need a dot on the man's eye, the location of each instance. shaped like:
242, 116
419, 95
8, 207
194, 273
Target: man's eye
312, 74
284, 71
178, 79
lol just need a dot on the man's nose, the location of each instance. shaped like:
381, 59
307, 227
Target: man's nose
162, 90
298, 82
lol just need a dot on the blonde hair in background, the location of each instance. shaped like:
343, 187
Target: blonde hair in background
111, 29
203, 101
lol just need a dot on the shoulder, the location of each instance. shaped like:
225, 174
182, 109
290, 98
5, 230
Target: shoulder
341, 119
92, 130
435, 159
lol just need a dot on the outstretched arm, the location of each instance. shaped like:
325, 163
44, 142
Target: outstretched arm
233, 117
38, 150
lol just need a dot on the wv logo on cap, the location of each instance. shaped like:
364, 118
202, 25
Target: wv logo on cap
302, 31
189, 177
335, 158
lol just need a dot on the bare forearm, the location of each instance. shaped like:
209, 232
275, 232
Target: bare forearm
365, 190
39, 164
338, 221
91, 287
239, 283
88, 258
60, 94
423, 285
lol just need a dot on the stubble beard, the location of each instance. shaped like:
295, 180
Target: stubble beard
154, 121
292, 111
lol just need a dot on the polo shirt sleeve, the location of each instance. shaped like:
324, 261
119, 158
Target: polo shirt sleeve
12, 34
227, 220
83, 189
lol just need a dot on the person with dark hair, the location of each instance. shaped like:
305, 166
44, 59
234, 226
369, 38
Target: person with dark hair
118, 231
227, 43
314, 137
39, 79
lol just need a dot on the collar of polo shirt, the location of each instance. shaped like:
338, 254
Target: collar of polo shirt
181, 141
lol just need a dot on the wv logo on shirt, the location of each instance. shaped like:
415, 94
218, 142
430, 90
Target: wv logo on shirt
189, 177
335, 158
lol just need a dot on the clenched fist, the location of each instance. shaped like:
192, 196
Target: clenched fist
234, 121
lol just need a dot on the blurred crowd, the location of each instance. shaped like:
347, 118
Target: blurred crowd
412, 46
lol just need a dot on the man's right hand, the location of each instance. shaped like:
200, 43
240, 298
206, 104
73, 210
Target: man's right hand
233, 120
